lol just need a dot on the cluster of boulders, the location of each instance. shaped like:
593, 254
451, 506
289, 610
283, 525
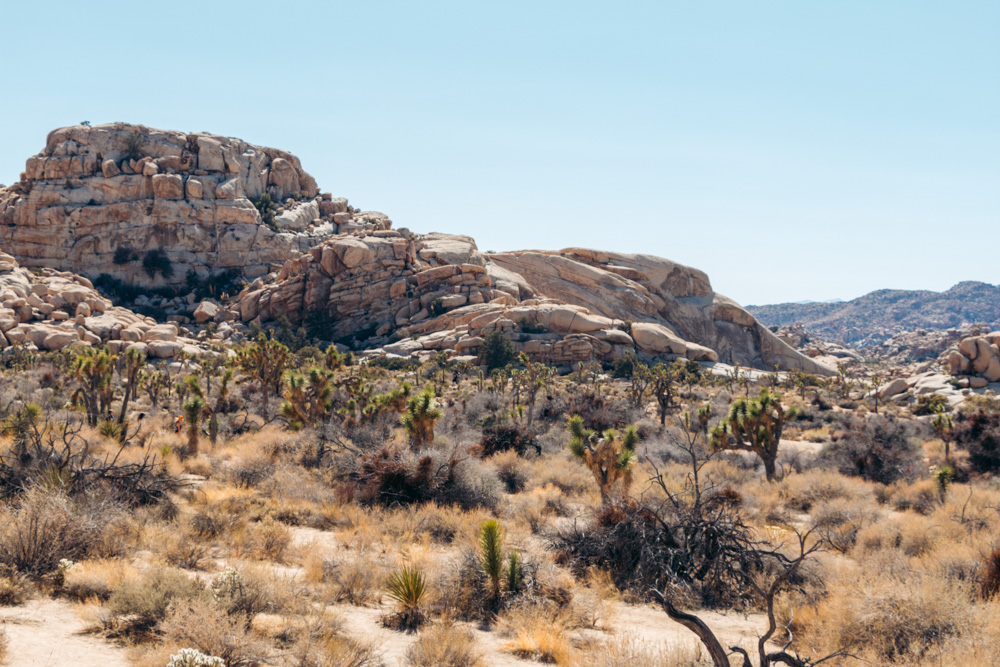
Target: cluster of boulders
417, 295
99, 200
52, 309
976, 359
154, 208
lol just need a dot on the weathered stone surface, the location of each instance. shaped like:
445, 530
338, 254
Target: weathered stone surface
190, 196
414, 295
205, 312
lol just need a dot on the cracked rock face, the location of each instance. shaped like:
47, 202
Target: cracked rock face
416, 296
98, 199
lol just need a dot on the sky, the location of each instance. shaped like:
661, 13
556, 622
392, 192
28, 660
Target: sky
791, 150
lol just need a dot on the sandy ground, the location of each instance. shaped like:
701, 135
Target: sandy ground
49, 633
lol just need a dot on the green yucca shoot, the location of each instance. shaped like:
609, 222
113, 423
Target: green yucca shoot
515, 572
491, 553
407, 587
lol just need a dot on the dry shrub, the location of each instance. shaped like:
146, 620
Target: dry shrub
803, 491
840, 520
95, 579
629, 650
445, 645
200, 624
318, 641
139, 603
249, 590
537, 506
13, 588
511, 469
46, 527
563, 473
263, 540
536, 634
921, 497
909, 534
178, 545
358, 580
989, 580
892, 612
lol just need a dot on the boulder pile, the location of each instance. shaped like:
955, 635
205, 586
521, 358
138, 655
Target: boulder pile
976, 359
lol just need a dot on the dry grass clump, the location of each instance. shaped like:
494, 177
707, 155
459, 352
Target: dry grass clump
911, 535
263, 540
13, 588
4, 642
319, 641
536, 633
96, 579
536, 507
628, 650
357, 579
445, 645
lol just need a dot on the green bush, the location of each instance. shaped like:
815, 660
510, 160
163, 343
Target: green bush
133, 144
496, 351
156, 261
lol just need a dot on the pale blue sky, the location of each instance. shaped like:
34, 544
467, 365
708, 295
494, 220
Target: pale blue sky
792, 150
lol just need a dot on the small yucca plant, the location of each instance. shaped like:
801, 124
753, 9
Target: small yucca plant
491, 554
515, 572
408, 587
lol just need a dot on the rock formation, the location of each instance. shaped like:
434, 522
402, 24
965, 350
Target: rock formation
55, 309
976, 359
146, 206
149, 207
417, 295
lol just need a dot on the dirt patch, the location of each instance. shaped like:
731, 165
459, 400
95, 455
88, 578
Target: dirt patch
49, 633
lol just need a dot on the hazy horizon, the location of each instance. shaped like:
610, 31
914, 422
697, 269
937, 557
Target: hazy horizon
791, 152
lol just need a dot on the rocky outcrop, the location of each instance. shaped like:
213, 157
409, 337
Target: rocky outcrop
55, 309
147, 206
418, 295
976, 359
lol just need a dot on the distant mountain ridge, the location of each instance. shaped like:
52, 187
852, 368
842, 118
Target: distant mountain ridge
876, 316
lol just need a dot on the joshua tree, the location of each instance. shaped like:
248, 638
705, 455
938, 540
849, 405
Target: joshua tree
943, 427
193, 408
135, 361
663, 381
609, 457
421, 415
307, 397
876, 383
639, 382
754, 425
94, 370
265, 361
537, 375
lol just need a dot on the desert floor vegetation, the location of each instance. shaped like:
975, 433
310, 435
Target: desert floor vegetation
340, 513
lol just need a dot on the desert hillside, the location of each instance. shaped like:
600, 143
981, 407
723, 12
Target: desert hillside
873, 318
